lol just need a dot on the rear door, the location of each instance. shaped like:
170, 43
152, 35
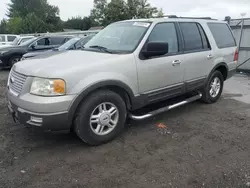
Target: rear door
197, 54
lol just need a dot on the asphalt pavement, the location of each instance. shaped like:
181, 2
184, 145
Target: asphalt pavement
196, 145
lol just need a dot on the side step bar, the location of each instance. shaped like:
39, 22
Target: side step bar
166, 108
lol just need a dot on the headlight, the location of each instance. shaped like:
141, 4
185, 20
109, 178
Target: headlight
23, 58
48, 87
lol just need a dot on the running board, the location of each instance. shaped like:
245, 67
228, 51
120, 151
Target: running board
166, 108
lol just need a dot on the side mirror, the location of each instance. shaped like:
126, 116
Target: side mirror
33, 46
155, 49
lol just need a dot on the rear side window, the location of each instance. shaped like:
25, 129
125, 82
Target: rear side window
192, 37
24, 40
57, 40
222, 35
11, 38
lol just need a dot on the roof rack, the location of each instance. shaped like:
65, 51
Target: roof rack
174, 16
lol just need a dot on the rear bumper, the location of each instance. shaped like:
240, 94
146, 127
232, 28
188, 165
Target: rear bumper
231, 73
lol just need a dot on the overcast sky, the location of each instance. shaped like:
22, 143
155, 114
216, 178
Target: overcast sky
213, 8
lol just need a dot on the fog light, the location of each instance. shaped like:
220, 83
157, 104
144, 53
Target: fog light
36, 119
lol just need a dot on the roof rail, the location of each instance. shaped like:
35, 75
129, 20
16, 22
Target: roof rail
166, 16
174, 16
203, 18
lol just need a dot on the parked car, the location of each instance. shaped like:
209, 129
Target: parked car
73, 44
12, 54
21, 39
126, 66
7, 39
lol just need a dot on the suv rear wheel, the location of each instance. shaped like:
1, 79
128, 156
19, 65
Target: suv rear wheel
213, 89
101, 117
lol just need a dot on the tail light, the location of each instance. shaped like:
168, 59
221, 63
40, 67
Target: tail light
236, 55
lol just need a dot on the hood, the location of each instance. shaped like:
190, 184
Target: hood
62, 62
6, 46
11, 47
33, 54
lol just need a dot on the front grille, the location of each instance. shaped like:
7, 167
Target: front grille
16, 82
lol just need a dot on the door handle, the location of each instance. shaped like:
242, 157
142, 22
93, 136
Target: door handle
210, 56
176, 62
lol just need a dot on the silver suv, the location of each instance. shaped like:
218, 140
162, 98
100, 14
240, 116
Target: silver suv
127, 66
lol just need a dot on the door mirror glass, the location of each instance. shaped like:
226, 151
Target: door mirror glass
155, 49
33, 46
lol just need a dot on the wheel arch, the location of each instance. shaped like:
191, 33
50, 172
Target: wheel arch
223, 68
116, 86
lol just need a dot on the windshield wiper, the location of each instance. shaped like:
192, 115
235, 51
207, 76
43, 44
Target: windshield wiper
101, 48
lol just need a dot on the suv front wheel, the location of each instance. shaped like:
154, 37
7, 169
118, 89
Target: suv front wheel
213, 88
101, 117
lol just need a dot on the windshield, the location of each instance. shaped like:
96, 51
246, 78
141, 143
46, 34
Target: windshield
28, 42
81, 43
68, 44
120, 37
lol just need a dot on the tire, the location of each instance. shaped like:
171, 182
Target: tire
88, 131
213, 97
14, 60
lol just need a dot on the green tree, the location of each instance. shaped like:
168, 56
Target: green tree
3, 26
98, 12
78, 23
13, 25
33, 24
160, 13
140, 9
39, 10
104, 13
116, 10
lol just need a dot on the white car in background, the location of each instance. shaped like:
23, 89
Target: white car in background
7, 39
21, 39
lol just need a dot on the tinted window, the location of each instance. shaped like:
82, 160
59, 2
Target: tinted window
57, 40
192, 37
11, 38
83, 41
222, 35
43, 42
24, 40
165, 32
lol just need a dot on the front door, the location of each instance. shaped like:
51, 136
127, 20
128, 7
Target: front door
162, 77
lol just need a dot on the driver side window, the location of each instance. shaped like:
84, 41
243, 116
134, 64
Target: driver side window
165, 32
43, 42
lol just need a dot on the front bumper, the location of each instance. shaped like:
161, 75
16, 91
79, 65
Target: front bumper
43, 112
